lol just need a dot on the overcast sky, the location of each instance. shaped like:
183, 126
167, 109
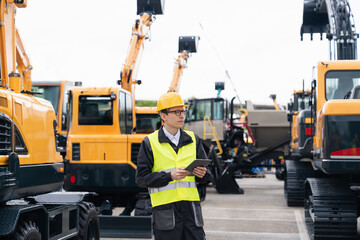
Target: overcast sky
256, 41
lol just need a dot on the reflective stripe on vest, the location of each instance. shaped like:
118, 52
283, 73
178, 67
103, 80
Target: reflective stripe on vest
166, 159
173, 185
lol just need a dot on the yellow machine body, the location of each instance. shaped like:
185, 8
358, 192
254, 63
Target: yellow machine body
29, 159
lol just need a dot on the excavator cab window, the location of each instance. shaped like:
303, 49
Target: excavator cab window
203, 109
125, 113
95, 110
218, 109
214, 108
147, 123
355, 92
69, 109
50, 93
67, 86
339, 83
303, 102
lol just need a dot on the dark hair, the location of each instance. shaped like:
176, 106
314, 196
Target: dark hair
166, 111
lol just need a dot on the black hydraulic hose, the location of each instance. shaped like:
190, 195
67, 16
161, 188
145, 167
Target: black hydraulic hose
232, 113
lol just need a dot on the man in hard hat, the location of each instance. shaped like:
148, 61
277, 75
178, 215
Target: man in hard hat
163, 155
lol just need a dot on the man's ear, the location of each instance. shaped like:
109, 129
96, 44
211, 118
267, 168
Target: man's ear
162, 116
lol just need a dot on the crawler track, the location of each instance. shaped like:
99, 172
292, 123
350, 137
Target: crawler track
330, 209
296, 174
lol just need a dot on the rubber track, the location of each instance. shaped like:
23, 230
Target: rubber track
330, 209
296, 174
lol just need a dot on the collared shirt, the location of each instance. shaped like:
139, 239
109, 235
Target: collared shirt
173, 138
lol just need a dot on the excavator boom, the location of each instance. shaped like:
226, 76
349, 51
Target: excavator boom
147, 10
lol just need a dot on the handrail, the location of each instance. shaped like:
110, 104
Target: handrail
214, 133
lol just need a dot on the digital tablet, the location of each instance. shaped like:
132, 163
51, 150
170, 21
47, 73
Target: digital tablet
197, 163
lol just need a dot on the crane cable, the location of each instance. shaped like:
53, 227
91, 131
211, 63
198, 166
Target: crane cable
222, 63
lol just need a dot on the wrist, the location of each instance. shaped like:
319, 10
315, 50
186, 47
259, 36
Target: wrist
170, 176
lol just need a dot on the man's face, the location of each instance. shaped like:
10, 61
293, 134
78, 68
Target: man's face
173, 120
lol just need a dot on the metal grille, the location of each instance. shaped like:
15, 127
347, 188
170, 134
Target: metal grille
5, 135
134, 152
76, 151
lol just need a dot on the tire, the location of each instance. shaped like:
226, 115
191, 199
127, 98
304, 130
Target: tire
89, 227
280, 173
27, 230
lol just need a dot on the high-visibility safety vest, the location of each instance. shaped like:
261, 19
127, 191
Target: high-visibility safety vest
166, 159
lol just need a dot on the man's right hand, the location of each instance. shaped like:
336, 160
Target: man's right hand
179, 174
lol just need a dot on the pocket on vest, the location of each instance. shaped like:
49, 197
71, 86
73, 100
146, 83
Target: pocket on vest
199, 222
164, 217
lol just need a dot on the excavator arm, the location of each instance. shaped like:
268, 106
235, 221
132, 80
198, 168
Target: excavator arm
273, 97
147, 10
23, 63
15, 65
187, 45
139, 34
333, 17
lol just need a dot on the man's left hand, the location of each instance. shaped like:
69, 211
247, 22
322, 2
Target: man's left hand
199, 172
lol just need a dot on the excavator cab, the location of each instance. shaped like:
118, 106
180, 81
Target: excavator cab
215, 109
338, 119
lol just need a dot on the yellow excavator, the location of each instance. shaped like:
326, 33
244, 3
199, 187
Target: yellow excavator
324, 178
102, 147
31, 168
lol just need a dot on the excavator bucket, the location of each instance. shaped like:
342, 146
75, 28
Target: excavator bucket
154, 7
315, 18
188, 43
219, 85
227, 184
224, 180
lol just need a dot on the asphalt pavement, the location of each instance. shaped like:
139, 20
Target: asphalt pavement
259, 213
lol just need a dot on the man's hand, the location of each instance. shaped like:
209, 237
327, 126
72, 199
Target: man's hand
199, 172
179, 174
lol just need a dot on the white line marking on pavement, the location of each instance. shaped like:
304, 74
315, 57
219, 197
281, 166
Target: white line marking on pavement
266, 235
248, 219
248, 209
301, 226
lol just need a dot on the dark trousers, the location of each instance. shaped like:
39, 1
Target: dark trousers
185, 227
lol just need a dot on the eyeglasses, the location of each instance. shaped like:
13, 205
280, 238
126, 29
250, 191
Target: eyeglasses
178, 112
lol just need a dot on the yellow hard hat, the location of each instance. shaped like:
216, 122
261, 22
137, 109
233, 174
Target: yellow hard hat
169, 100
